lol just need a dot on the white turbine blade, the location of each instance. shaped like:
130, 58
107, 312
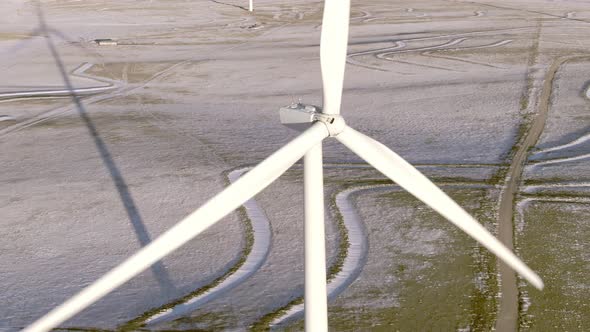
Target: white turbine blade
316, 299
409, 178
216, 208
333, 45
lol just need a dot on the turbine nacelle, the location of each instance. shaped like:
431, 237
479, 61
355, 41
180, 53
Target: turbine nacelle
300, 117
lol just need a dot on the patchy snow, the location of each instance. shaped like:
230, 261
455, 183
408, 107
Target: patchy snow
261, 238
197, 89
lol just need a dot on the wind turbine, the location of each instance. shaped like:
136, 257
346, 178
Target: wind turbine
316, 125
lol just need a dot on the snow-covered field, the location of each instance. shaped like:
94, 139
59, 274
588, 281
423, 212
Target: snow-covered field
191, 93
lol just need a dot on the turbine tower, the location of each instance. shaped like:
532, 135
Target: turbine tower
316, 125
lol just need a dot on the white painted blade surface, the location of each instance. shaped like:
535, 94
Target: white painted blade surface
216, 208
409, 178
333, 46
316, 295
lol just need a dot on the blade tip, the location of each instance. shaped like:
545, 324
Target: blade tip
536, 281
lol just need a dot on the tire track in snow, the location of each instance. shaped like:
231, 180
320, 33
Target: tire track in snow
362, 18
496, 44
401, 44
532, 189
527, 11
573, 143
427, 66
54, 113
430, 54
523, 203
360, 64
349, 58
51, 114
385, 55
79, 72
582, 139
53, 93
560, 160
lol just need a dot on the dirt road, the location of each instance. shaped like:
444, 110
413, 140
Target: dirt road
508, 314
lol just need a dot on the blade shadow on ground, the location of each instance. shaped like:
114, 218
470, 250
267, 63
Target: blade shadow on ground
159, 271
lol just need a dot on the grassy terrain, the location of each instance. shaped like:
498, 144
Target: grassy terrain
553, 243
447, 288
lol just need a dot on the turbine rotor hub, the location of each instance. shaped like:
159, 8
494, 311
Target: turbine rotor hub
334, 122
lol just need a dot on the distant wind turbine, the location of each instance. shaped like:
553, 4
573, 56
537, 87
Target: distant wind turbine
317, 125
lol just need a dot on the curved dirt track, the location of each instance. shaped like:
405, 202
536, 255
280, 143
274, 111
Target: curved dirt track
508, 312
255, 256
356, 253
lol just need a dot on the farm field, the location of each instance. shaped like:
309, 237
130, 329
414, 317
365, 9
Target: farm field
105, 147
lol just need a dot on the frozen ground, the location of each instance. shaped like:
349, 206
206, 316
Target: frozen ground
563, 150
192, 92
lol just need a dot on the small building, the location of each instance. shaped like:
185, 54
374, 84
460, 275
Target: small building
106, 42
